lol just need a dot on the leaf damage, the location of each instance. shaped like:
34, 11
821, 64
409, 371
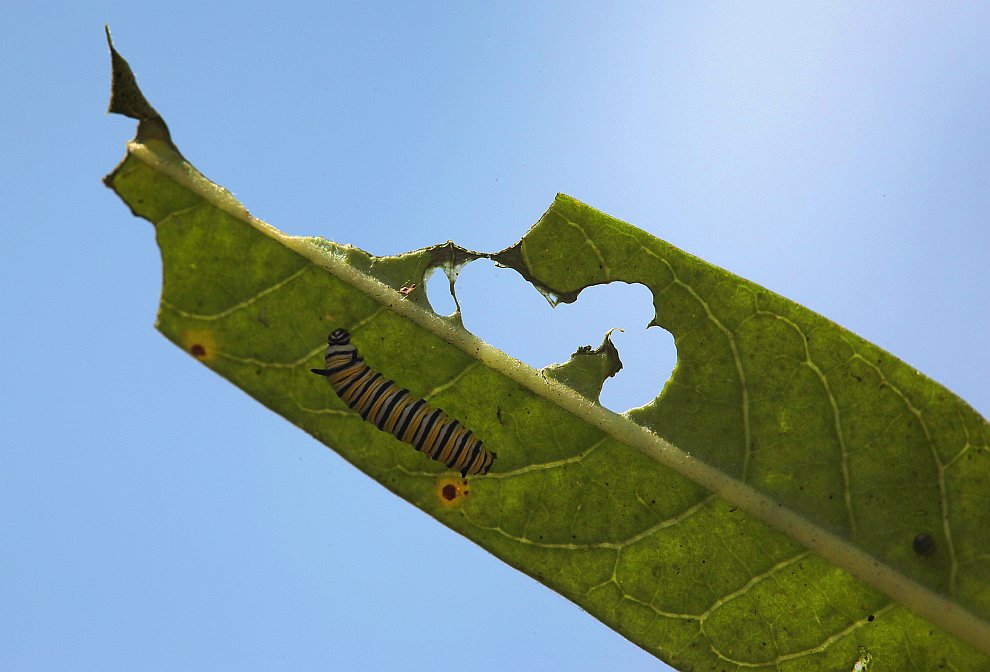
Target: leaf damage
808, 435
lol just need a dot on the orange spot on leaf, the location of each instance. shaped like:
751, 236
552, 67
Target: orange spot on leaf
199, 343
452, 491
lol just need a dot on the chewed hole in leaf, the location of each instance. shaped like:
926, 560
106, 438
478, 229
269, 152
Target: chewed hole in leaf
438, 291
504, 310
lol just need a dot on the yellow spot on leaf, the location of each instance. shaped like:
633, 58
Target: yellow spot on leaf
451, 491
199, 343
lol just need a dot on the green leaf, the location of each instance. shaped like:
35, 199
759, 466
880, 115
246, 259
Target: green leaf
587, 370
795, 499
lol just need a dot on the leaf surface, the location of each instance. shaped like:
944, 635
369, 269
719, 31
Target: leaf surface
796, 498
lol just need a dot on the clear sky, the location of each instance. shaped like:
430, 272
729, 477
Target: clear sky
154, 517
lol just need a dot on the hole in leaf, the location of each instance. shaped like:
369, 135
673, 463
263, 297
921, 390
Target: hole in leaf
438, 292
506, 311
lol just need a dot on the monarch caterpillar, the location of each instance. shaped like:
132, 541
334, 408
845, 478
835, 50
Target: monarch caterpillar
394, 410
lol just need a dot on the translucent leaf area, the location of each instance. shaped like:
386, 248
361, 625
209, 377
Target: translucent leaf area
795, 499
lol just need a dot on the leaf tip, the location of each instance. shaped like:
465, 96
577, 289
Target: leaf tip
127, 99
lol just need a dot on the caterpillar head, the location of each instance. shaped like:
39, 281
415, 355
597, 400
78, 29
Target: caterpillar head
339, 337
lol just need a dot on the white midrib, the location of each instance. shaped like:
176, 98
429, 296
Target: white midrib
936, 608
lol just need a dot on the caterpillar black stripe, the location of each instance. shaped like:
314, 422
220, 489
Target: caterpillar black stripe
395, 410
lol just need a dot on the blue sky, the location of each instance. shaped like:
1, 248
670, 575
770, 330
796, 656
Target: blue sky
155, 517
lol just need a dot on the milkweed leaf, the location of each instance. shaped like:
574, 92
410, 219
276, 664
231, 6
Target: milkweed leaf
795, 498
587, 370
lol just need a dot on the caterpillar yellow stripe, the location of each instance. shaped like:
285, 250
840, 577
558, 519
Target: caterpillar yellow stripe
395, 410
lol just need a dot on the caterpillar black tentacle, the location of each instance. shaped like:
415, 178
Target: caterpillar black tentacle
395, 410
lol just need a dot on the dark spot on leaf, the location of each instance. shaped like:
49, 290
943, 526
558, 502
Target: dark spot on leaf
870, 618
451, 492
197, 350
924, 545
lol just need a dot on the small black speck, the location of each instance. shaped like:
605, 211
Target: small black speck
924, 545
870, 618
